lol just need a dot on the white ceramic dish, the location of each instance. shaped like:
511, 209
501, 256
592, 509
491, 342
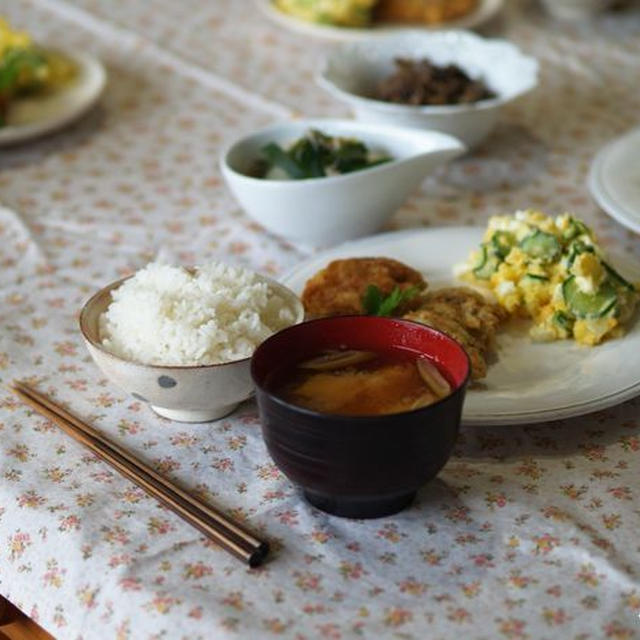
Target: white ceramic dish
576, 9
323, 211
486, 10
36, 116
614, 179
198, 393
352, 71
530, 382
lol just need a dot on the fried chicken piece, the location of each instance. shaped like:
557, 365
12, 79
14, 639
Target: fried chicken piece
428, 11
338, 289
457, 331
480, 316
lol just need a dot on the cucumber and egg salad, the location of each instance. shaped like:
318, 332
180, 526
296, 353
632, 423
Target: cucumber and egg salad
26, 69
552, 270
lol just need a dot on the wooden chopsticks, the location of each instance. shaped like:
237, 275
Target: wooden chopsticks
226, 533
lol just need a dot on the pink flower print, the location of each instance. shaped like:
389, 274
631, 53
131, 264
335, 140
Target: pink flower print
115, 535
162, 603
18, 544
87, 596
554, 617
458, 514
123, 630
58, 617
555, 591
132, 495
77, 385
554, 513
530, 469
312, 609
183, 439
104, 400
65, 348
268, 471
630, 443
130, 584
390, 532
594, 452
129, 427
351, 570
54, 575
573, 492
545, 544
167, 465
611, 521
412, 586
353, 546
512, 628
196, 570
69, 523
290, 517
618, 632
85, 499
432, 557
516, 579
195, 613
275, 625
330, 631
621, 493
471, 589
105, 476
20, 452
30, 499
587, 575
272, 496
483, 560
159, 526
223, 464
466, 538
459, 615
322, 537
396, 616
495, 500
236, 443
234, 599
56, 474
123, 559
307, 581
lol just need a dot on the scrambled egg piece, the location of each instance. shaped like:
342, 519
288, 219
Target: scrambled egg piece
345, 13
552, 270
10, 39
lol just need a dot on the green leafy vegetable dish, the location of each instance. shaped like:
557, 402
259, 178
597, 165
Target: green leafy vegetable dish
315, 155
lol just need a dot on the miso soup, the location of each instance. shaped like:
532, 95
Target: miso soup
354, 383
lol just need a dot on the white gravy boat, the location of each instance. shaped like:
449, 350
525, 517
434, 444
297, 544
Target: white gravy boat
329, 210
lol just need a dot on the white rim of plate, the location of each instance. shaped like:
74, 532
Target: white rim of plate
485, 11
571, 410
598, 187
93, 71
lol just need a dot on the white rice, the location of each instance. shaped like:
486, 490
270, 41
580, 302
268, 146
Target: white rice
167, 315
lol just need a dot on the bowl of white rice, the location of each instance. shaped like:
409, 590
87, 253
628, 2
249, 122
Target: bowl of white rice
182, 339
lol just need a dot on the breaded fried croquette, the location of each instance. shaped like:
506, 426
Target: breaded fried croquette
339, 288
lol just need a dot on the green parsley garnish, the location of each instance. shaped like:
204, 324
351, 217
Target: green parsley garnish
376, 304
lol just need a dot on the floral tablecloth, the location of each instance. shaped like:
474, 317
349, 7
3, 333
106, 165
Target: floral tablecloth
528, 533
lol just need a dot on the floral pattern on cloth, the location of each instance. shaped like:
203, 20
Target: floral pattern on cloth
528, 533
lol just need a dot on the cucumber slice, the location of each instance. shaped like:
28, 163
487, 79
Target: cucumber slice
535, 276
576, 228
501, 242
541, 245
576, 248
589, 305
563, 320
617, 278
487, 264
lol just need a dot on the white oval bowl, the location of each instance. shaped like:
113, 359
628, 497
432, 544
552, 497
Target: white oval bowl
188, 393
322, 211
352, 71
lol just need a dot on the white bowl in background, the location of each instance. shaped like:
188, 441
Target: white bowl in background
323, 211
352, 71
191, 393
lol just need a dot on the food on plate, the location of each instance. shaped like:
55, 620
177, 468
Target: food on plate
468, 317
214, 313
421, 82
427, 11
341, 287
345, 13
26, 69
553, 271
315, 155
387, 287
361, 13
348, 382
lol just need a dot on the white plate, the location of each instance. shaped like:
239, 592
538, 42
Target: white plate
614, 180
486, 10
530, 382
35, 116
